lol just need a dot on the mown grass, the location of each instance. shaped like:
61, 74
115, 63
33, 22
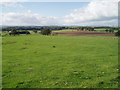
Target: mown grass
31, 61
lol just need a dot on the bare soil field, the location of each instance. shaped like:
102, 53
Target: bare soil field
85, 33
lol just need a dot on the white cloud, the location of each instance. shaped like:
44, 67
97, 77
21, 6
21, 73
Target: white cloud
13, 0
96, 13
11, 5
27, 18
45, 0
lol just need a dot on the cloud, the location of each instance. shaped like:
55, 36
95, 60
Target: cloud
45, 1
27, 18
95, 13
14, 0
11, 5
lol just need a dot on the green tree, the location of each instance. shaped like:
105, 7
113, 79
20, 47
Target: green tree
35, 31
46, 31
117, 33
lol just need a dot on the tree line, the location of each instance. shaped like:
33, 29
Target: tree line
46, 30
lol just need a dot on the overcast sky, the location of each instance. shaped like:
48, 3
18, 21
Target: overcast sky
91, 12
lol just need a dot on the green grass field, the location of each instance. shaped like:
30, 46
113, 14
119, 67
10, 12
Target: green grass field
65, 30
31, 61
103, 30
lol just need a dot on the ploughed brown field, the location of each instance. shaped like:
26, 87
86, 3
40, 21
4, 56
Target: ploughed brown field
85, 33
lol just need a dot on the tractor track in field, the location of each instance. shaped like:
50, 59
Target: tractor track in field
87, 33
84, 33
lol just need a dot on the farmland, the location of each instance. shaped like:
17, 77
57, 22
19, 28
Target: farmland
31, 61
59, 44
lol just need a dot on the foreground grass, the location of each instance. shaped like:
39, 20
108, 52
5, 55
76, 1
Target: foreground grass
75, 62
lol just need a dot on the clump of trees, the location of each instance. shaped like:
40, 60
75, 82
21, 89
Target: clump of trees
35, 31
46, 31
111, 29
15, 32
117, 33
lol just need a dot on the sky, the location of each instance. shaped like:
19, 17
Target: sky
46, 8
87, 13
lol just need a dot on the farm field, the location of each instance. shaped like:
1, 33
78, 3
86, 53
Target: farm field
83, 33
102, 30
38, 61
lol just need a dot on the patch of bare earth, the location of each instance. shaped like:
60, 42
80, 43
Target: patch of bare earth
85, 33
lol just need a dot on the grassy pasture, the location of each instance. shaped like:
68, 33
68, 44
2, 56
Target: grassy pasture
64, 30
103, 30
31, 61
96, 30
